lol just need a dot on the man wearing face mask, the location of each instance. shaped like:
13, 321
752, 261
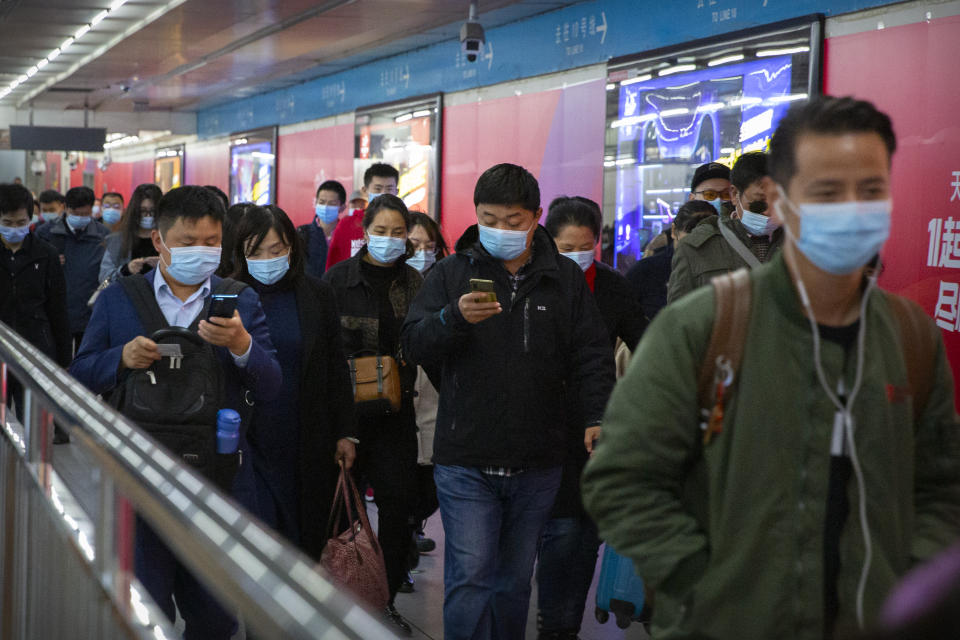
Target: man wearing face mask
329, 203
830, 462
746, 237
378, 179
510, 370
187, 237
80, 241
52, 204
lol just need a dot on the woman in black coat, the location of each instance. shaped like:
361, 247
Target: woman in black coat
299, 438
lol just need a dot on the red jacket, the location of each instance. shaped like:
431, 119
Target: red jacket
347, 238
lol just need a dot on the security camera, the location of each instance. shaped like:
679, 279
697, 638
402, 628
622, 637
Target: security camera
38, 166
472, 37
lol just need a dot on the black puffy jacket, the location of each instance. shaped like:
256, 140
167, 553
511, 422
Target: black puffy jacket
506, 381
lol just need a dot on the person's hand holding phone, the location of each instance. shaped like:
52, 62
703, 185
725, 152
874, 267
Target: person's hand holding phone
226, 332
475, 308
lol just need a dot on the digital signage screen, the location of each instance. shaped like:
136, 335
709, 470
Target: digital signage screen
168, 168
253, 167
668, 114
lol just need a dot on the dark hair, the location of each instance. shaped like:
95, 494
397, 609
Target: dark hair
691, 213
114, 194
385, 201
189, 202
51, 195
129, 228
749, 168
824, 115
231, 222
80, 197
565, 211
14, 197
379, 170
507, 184
336, 187
220, 194
254, 225
418, 218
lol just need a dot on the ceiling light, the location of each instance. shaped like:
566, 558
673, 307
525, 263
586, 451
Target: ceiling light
403, 118
611, 86
66, 44
422, 113
630, 81
680, 68
42, 63
23, 78
725, 60
32, 71
765, 53
82, 31
97, 19
117, 4
53, 54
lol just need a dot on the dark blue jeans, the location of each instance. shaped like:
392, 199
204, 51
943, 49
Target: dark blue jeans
568, 557
492, 526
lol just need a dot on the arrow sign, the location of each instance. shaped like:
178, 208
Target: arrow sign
489, 55
603, 27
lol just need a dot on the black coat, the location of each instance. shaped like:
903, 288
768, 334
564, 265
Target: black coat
505, 382
621, 311
649, 278
33, 299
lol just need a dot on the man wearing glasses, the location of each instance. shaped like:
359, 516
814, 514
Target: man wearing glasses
724, 243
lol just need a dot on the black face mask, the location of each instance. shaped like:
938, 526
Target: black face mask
757, 206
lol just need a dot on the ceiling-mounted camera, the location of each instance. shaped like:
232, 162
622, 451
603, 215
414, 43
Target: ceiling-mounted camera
472, 37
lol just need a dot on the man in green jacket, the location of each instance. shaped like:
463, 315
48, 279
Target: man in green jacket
833, 471
745, 237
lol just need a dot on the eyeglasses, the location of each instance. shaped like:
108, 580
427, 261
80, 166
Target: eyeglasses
148, 212
710, 194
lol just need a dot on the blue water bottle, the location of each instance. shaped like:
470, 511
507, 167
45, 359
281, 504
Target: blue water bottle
228, 431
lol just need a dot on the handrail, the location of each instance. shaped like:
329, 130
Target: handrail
249, 568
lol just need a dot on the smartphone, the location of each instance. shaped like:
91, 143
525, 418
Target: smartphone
222, 305
484, 287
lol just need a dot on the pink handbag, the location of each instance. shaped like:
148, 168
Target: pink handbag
354, 558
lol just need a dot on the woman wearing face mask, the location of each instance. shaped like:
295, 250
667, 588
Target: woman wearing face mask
129, 250
569, 544
427, 242
374, 290
298, 438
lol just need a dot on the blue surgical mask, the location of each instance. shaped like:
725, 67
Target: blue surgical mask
147, 222
77, 222
422, 260
758, 224
503, 244
191, 265
582, 258
841, 237
269, 271
112, 215
326, 213
386, 249
717, 204
14, 235
372, 196
49, 216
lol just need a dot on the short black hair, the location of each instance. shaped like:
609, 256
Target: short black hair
749, 168
190, 202
565, 211
253, 226
336, 187
418, 218
14, 197
379, 170
824, 115
80, 197
115, 194
691, 213
507, 184
385, 201
220, 194
51, 195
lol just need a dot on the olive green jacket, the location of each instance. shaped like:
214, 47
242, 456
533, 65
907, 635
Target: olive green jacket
704, 254
731, 534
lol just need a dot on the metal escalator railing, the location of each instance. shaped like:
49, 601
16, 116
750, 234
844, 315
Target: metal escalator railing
66, 573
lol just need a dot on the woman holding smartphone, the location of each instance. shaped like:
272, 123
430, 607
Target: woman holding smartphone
300, 437
129, 249
374, 289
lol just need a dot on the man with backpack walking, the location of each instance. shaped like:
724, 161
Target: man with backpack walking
785, 446
155, 337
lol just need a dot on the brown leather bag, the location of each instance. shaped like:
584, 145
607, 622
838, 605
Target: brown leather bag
376, 384
354, 558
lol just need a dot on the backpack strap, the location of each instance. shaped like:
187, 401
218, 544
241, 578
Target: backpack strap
229, 286
141, 295
732, 302
919, 344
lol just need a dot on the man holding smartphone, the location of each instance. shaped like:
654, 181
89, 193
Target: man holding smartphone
187, 237
507, 368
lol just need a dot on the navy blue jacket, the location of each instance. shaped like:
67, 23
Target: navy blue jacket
315, 242
82, 253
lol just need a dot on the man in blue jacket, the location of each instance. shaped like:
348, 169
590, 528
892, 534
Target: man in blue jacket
187, 237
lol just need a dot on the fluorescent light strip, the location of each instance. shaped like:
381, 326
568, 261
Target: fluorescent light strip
792, 97
725, 60
630, 81
680, 68
766, 53
424, 113
674, 112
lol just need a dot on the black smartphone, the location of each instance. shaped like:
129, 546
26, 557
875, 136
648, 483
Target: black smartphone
484, 288
222, 305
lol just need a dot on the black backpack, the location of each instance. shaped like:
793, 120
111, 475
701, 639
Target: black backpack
176, 399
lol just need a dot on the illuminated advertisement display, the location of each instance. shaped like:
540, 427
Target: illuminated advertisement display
407, 136
668, 114
168, 168
253, 166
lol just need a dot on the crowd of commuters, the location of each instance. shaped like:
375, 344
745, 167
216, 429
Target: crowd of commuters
782, 449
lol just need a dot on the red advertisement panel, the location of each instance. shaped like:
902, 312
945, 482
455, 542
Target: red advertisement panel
911, 73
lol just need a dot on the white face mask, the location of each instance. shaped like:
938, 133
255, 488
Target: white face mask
582, 258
